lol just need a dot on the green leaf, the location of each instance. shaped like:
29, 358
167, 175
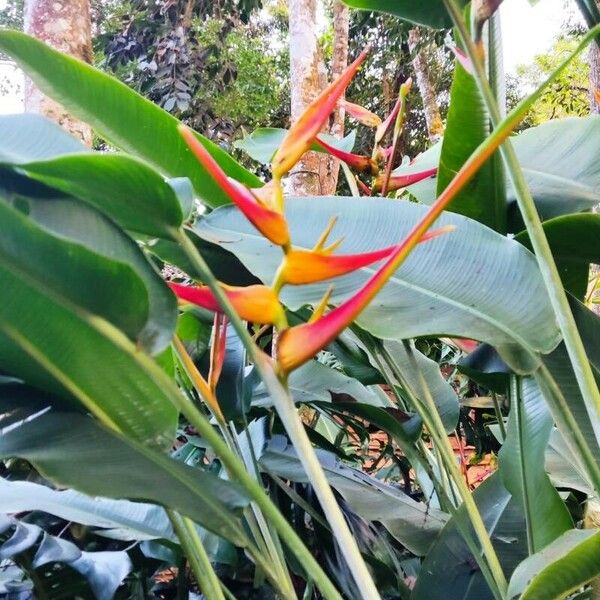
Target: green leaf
80, 256
471, 283
412, 523
467, 127
559, 164
560, 569
450, 564
315, 382
521, 466
119, 519
120, 186
574, 243
54, 344
120, 115
263, 142
431, 13
72, 449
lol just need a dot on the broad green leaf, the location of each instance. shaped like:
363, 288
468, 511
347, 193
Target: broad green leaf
451, 568
471, 283
521, 467
574, 243
563, 467
412, 523
431, 13
559, 164
61, 242
130, 520
53, 344
467, 126
120, 186
263, 142
72, 449
560, 569
120, 115
316, 382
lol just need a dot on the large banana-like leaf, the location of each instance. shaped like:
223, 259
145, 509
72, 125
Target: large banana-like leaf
413, 523
450, 567
574, 243
72, 449
560, 569
50, 337
122, 187
472, 282
431, 13
522, 466
120, 115
559, 164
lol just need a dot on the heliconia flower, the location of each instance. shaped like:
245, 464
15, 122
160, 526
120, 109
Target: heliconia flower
307, 266
397, 182
464, 344
365, 189
362, 114
271, 223
463, 59
360, 163
255, 303
305, 129
300, 343
391, 118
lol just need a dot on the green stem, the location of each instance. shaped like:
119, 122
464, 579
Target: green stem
232, 463
196, 554
558, 297
499, 416
490, 567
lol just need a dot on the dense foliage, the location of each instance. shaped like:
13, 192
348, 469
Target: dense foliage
210, 387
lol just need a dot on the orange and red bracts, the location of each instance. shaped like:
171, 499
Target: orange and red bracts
271, 223
397, 182
255, 303
360, 163
305, 129
361, 114
300, 343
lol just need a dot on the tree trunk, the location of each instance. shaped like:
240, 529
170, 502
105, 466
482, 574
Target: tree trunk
339, 61
435, 126
66, 26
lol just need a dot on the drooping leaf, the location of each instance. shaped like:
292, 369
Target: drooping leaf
120, 115
521, 467
120, 519
414, 524
574, 243
430, 14
470, 283
72, 449
451, 566
559, 569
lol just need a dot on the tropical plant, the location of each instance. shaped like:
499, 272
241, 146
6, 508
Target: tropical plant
165, 312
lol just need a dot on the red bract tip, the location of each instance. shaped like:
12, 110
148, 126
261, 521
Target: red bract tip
361, 164
299, 344
305, 129
255, 303
397, 182
463, 59
269, 222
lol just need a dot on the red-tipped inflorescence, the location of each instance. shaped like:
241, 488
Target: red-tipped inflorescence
303, 132
255, 303
361, 114
397, 182
360, 163
271, 223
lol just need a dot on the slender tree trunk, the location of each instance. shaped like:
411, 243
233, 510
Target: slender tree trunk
435, 126
305, 84
66, 26
339, 61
